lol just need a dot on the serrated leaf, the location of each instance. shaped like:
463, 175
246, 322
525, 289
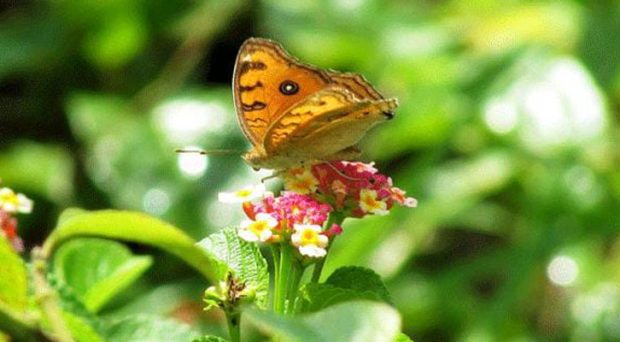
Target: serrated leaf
148, 328
319, 296
13, 278
345, 284
242, 258
365, 321
139, 228
98, 269
359, 279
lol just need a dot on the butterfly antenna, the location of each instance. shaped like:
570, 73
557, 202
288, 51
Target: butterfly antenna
221, 152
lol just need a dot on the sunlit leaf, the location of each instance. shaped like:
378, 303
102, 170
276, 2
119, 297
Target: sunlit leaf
98, 269
139, 228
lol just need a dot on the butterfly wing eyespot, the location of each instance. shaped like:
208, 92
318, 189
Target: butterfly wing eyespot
289, 87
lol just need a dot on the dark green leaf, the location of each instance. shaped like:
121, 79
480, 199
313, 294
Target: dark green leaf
345, 284
359, 279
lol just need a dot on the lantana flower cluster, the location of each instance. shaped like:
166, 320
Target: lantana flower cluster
354, 188
12, 203
299, 215
289, 217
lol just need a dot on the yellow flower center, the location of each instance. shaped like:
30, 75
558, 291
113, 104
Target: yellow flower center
309, 237
243, 193
258, 227
9, 197
371, 202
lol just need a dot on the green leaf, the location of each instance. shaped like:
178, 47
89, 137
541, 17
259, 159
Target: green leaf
210, 338
98, 269
139, 228
148, 328
345, 284
316, 297
365, 321
402, 338
80, 328
359, 279
13, 278
83, 325
242, 258
14, 295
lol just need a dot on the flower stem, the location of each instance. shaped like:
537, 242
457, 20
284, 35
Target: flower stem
286, 260
275, 252
233, 320
297, 271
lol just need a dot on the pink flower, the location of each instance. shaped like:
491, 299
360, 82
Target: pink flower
290, 208
354, 188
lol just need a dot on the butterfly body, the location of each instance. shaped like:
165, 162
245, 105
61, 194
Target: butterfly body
294, 113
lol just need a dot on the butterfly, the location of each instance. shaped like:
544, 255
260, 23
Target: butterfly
293, 112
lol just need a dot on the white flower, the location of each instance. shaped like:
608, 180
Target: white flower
370, 204
259, 229
12, 202
246, 194
309, 241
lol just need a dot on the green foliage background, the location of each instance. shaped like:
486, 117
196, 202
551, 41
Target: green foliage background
507, 134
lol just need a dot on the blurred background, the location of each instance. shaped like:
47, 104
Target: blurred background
507, 134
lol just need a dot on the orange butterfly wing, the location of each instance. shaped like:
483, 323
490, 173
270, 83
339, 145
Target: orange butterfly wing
325, 123
261, 70
292, 112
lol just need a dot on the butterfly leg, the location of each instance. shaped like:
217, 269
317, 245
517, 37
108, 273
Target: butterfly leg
273, 175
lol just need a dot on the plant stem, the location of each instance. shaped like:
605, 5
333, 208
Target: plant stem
286, 260
47, 298
316, 272
275, 252
297, 271
233, 320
